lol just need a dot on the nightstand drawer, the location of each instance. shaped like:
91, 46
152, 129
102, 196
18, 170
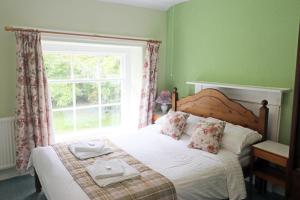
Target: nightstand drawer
270, 157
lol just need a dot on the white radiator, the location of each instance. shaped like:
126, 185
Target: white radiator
7, 143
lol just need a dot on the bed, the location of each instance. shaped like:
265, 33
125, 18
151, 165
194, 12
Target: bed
195, 174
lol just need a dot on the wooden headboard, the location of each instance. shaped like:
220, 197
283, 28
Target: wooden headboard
213, 103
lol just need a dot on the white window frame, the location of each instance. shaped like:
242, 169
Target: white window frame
131, 58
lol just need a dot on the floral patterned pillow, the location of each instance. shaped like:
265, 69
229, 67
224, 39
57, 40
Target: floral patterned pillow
207, 136
174, 124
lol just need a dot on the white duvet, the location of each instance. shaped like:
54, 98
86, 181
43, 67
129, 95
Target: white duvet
195, 174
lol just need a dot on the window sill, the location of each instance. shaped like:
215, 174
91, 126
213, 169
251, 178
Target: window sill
88, 134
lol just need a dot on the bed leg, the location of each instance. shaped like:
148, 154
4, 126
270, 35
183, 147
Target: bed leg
38, 186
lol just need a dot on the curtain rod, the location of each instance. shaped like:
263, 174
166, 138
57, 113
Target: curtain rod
14, 29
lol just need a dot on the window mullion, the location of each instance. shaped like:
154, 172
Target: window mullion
73, 95
99, 94
123, 88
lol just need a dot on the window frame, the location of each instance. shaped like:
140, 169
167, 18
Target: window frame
131, 74
73, 81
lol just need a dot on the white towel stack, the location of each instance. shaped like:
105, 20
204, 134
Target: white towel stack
106, 173
89, 149
105, 169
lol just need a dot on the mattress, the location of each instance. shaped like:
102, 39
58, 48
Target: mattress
195, 174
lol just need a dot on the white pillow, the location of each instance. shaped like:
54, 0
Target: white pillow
236, 138
211, 119
191, 122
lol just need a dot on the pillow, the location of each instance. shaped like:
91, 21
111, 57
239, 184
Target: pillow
211, 119
174, 123
207, 136
237, 138
191, 122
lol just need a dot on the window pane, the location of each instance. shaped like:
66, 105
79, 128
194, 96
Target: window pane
61, 95
111, 116
87, 118
111, 92
85, 67
110, 67
86, 94
63, 121
58, 66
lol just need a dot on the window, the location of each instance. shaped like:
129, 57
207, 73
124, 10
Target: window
93, 86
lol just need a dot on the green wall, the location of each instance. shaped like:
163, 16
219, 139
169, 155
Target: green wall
249, 42
71, 15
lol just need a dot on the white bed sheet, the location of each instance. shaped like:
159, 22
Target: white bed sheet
195, 174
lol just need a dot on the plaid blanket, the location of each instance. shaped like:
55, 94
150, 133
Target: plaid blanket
149, 186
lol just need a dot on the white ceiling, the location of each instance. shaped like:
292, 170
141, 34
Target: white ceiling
154, 4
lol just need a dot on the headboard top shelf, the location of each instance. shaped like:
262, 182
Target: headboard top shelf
236, 86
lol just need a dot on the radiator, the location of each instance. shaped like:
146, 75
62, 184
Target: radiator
7, 143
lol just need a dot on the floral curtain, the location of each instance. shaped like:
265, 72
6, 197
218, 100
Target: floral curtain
33, 117
149, 80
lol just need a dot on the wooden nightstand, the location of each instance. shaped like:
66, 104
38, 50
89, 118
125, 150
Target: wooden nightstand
156, 115
269, 163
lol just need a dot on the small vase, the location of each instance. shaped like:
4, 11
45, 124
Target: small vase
164, 108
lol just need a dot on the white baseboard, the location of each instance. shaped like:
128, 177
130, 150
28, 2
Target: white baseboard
8, 173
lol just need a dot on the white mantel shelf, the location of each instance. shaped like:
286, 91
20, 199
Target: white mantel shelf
251, 97
236, 86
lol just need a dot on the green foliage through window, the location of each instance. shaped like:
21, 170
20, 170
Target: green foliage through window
80, 87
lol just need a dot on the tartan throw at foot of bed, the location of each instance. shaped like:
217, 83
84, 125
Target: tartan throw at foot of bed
149, 186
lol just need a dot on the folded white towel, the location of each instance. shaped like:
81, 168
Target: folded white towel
106, 168
86, 155
89, 146
129, 173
